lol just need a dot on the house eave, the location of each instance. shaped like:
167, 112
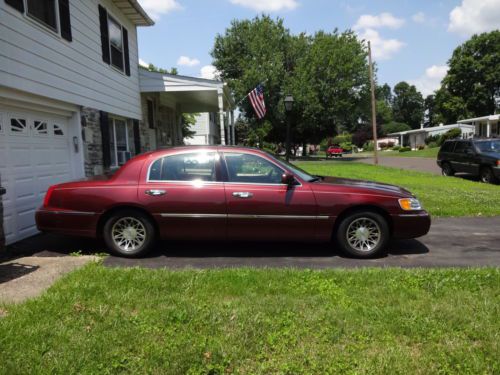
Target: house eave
134, 11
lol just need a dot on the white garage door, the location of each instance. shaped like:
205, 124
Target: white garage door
34, 154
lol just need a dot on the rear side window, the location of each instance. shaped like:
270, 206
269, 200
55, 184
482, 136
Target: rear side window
196, 166
447, 146
461, 147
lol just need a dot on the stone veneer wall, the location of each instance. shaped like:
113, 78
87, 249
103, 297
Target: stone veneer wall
92, 141
2, 233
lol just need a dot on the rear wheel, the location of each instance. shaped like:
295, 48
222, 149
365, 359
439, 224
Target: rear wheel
447, 170
129, 233
363, 234
487, 175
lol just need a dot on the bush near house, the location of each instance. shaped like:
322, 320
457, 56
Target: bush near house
405, 149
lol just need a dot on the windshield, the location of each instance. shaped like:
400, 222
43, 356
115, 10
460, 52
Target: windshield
296, 170
489, 146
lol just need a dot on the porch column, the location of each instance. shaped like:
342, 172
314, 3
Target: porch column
233, 138
401, 140
221, 116
488, 129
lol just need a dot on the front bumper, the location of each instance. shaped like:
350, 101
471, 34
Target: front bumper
410, 225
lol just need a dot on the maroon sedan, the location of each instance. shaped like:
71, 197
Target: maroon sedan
229, 193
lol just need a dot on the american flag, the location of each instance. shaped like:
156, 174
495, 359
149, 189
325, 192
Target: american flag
257, 99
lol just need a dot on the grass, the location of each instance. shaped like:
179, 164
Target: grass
425, 153
370, 321
441, 196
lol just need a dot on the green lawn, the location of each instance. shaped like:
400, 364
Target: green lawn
441, 196
425, 153
370, 321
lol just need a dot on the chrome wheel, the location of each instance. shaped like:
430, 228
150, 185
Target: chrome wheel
363, 234
128, 233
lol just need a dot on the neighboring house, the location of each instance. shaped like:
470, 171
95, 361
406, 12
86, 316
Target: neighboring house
70, 103
166, 96
416, 137
206, 130
486, 126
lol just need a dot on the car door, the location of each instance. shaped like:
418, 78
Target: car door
459, 157
185, 194
260, 206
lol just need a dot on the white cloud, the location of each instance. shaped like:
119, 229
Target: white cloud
382, 49
267, 5
143, 63
418, 17
187, 61
209, 72
475, 16
156, 8
430, 81
369, 21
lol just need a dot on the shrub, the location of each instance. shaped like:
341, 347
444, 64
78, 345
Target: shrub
342, 138
420, 147
432, 139
346, 146
394, 127
368, 146
396, 148
433, 144
405, 149
450, 134
382, 145
390, 144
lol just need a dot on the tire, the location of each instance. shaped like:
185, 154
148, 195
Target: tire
358, 247
486, 175
129, 233
447, 170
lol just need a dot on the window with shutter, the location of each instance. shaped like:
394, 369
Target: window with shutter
16, 4
65, 20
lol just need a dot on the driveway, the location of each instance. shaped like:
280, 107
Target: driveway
452, 242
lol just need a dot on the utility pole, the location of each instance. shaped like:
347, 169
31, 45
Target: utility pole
374, 110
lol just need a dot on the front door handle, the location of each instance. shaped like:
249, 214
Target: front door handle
155, 192
242, 194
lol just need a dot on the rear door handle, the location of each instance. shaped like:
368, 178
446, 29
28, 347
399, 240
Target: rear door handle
242, 194
155, 192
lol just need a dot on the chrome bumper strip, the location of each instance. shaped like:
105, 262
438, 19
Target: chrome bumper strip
82, 213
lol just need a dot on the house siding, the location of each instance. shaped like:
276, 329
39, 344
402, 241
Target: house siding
37, 60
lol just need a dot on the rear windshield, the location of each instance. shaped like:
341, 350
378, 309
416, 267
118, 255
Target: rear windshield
447, 146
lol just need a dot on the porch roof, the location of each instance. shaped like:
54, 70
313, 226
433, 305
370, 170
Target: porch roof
134, 11
432, 129
191, 94
479, 119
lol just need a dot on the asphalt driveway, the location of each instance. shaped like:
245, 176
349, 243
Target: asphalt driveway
452, 242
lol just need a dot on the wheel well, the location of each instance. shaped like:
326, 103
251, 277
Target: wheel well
106, 215
363, 208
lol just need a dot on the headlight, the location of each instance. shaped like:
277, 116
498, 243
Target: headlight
410, 204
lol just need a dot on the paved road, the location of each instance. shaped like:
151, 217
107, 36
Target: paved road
452, 242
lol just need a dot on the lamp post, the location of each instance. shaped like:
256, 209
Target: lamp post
288, 109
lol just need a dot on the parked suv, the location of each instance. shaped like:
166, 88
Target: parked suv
479, 157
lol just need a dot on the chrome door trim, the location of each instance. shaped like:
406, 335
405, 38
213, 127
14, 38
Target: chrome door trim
242, 194
250, 216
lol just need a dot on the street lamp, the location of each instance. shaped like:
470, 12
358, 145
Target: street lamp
288, 108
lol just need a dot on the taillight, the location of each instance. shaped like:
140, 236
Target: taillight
47, 196
498, 163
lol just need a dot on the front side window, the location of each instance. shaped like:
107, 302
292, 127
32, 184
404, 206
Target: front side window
249, 168
115, 43
44, 11
447, 146
119, 142
196, 166
462, 147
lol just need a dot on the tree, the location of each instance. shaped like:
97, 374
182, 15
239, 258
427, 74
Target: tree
394, 127
326, 73
430, 115
473, 79
408, 105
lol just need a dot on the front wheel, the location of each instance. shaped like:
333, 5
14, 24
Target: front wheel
129, 233
487, 175
363, 234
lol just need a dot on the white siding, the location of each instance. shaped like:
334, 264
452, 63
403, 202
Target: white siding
37, 60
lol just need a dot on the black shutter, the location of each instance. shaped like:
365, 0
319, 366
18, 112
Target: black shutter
65, 19
106, 146
17, 4
103, 20
125, 51
137, 137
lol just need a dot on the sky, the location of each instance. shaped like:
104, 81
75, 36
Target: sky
412, 40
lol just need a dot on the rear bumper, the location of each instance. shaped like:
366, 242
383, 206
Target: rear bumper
74, 223
410, 225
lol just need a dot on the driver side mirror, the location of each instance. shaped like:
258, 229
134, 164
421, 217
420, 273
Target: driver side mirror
287, 179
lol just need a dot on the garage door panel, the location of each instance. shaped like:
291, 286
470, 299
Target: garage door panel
29, 163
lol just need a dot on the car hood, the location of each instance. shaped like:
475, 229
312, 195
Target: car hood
368, 185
